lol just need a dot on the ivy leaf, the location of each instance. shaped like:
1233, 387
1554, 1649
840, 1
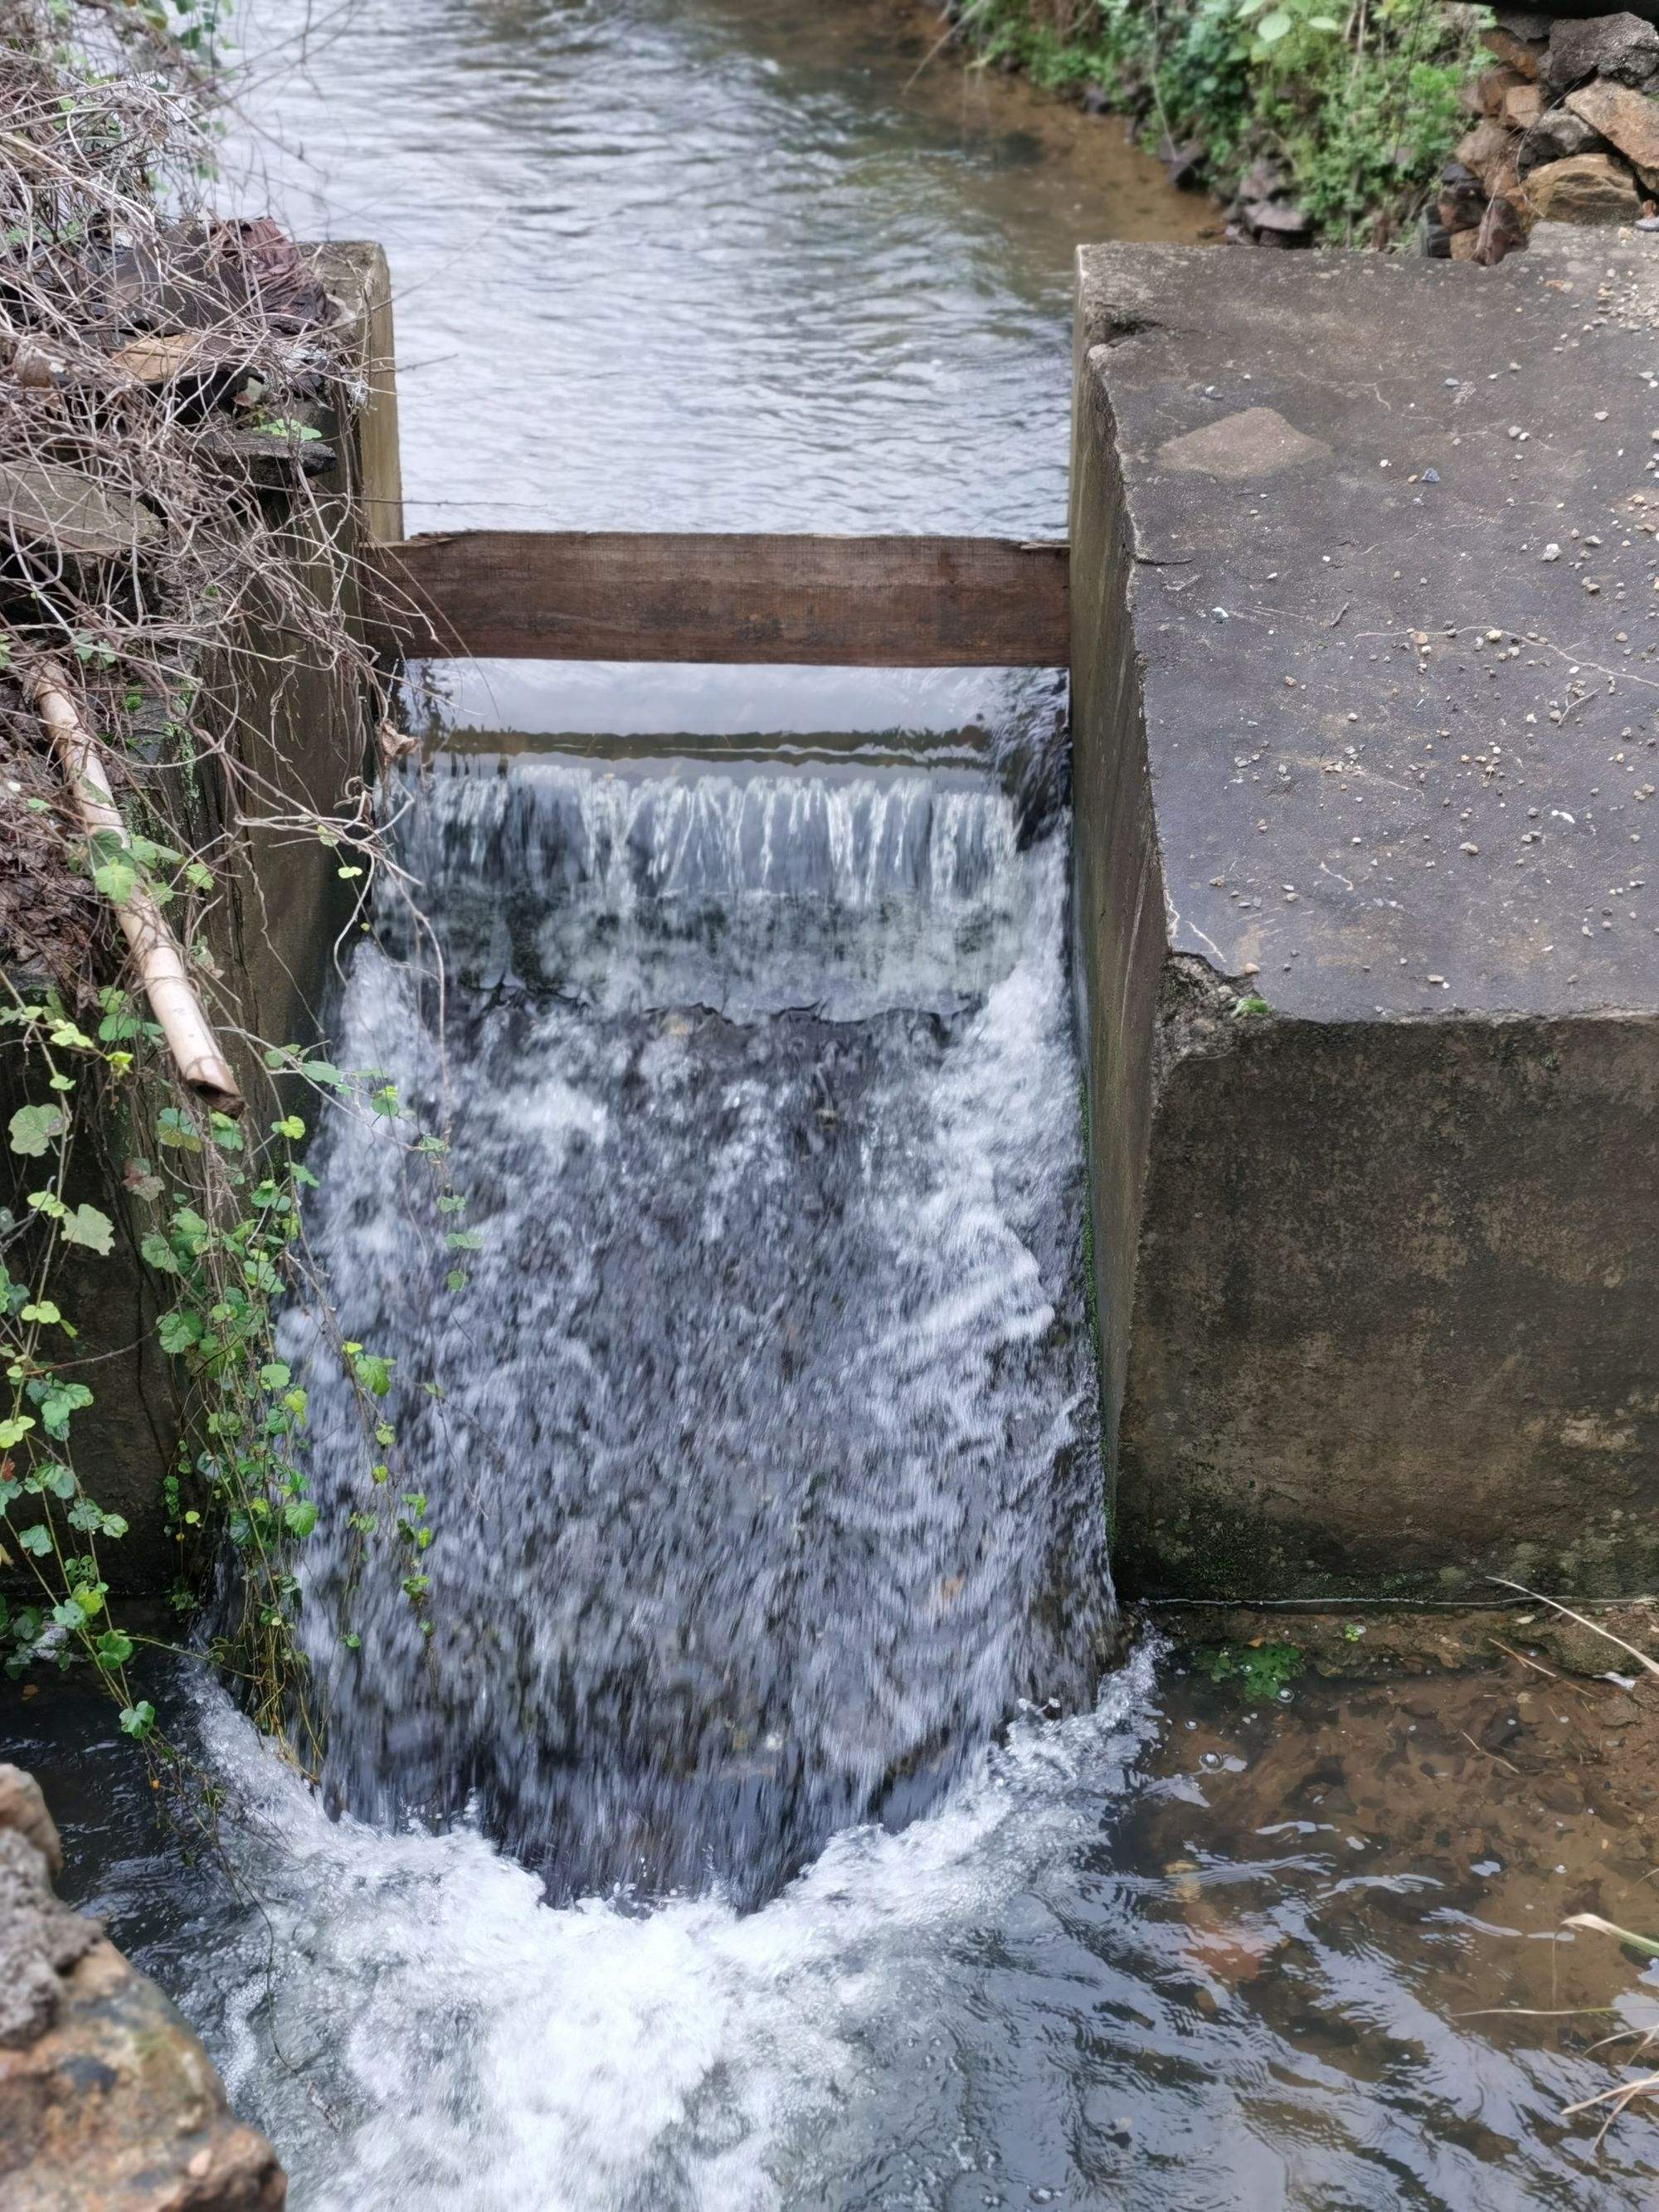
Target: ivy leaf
138, 1721
173, 1129
37, 1541
13, 1432
373, 1372
117, 878
141, 1180
87, 1226
300, 1517
34, 1127
113, 1649
157, 1252
62, 1400
179, 1332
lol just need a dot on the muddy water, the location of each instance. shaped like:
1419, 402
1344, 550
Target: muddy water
722, 264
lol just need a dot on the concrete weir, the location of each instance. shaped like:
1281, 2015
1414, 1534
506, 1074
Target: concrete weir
1366, 720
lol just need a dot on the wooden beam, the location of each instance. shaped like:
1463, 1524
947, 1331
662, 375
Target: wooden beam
614, 595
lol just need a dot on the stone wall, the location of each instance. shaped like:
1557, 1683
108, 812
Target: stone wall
1565, 129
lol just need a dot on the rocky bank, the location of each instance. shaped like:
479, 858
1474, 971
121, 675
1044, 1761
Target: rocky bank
107, 2101
1565, 129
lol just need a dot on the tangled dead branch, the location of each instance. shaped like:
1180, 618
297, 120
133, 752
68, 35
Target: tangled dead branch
167, 382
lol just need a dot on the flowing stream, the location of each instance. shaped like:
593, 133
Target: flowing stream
766, 1817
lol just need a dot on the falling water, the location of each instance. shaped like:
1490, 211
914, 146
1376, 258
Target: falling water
760, 1447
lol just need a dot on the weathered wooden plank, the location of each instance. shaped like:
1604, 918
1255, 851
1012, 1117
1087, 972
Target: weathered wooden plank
611, 595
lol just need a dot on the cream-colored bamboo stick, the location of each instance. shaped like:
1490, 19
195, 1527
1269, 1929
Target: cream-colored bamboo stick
171, 994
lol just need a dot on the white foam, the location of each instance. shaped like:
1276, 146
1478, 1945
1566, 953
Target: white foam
418, 2029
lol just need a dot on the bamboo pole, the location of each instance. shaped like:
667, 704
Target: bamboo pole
171, 994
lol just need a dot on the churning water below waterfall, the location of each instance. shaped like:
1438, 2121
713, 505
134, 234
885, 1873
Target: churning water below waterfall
761, 1458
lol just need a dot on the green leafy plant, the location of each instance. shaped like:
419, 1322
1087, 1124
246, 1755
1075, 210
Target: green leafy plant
1262, 1672
216, 1220
1273, 20
1358, 106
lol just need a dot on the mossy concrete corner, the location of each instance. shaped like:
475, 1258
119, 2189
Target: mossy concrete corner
1366, 722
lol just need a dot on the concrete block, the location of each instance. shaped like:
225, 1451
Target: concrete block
1366, 725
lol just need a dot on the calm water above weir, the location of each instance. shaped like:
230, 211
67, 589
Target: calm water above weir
765, 1482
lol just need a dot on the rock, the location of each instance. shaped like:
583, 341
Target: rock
1529, 25
1588, 188
1556, 136
1465, 245
107, 2098
1620, 46
53, 510
1263, 180
39, 1940
1096, 101
117, 2105
23, 1808
1484, 148
1184, 163
1627, 119
1279, 222
1437, 241
1463, 198
1522, 55
1522, 105
1504, 227
1493, 87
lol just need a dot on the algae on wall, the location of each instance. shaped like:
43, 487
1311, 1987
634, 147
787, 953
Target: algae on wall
1342, 110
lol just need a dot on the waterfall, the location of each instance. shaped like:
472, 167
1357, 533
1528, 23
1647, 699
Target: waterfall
761, 1448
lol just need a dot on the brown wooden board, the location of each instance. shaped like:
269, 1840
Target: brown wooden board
612, 595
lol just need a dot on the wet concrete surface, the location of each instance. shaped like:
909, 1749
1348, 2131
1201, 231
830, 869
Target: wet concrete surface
1394, 535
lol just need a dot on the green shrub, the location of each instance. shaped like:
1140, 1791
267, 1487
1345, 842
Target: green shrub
1360, 104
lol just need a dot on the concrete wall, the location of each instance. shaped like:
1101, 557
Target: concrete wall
1369, 960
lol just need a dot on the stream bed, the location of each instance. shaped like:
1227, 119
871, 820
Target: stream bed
776, 1818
